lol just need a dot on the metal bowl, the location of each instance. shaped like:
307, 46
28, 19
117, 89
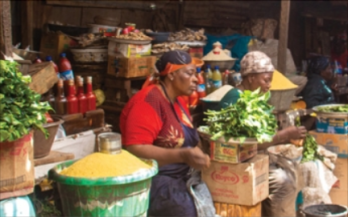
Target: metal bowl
330, 114
223, 65
26, 54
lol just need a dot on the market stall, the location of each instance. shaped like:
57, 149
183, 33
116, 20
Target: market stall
80, 74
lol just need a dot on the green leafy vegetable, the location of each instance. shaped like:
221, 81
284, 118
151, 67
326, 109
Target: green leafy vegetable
310, 149
340, 108
250, 117
20, 107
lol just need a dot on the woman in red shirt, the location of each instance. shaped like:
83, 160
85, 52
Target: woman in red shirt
155, 124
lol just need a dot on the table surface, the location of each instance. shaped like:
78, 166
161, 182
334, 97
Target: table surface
53, 157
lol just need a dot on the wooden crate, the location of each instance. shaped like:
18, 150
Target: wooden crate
97, 71
229, 210
77, 123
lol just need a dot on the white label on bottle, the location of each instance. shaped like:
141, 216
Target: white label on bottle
217, 84
200, 88
67, 75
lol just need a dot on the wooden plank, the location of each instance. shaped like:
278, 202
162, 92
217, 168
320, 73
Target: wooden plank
283, 35
5, 28
142, 5
53, 157
27, 36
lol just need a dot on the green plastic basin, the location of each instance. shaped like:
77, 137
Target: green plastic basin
112, 196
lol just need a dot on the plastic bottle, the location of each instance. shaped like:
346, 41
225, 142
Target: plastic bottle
225, 77
201, 84
60, 102
217, 82
65, 69
81, 97
49, 59
208, 81
38, 60
91, 99
72, 101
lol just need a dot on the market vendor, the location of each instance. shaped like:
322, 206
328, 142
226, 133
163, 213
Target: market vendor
317, 90
257, 72
155, 124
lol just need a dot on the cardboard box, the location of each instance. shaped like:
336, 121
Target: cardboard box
337, 143
53, 44
17, 167
341, 172
231, 152
131, 67
339, 197
332, 125
243, 184
129, 50
43, 77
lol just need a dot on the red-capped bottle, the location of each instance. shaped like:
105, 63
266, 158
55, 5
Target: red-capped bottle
81, 97
72, 107
60, 102
91, 99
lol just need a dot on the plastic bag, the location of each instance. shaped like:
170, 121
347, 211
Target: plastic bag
282, 187
201, 195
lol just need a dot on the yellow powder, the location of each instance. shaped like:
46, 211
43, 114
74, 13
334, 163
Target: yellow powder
280, 82
98, 165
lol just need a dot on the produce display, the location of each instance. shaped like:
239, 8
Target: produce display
165, 47
92, 39
340, 108
20, 107
280, 82
188, 34
136, 35
98, 165
250, 117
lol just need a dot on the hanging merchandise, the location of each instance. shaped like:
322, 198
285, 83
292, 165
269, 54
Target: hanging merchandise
201, 84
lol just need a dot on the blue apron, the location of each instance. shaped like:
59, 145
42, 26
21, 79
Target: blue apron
169, 195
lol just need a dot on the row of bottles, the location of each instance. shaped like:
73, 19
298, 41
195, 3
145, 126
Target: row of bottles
63, 70
73, 96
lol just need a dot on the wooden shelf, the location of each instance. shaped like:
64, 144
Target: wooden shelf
53, 157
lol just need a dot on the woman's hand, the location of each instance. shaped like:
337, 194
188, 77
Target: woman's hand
295, 133
195, 158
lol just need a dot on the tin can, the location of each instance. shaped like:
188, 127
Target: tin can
109, 143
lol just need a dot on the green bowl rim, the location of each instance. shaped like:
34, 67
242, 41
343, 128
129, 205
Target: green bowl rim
54, 175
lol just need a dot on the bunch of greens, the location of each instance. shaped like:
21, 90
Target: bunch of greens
340, 108
20, 107
250, 117
310, 149
310, 146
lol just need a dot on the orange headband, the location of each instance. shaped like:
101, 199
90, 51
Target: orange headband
173, 67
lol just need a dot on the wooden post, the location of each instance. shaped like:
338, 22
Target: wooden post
5, 28
27, 27
283, 35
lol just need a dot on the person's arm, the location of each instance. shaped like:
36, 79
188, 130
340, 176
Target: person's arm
284, 136
191, 156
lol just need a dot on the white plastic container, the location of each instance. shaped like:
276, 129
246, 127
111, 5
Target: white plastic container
90, 55
97, 28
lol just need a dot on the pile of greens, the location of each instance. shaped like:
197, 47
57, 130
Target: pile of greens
250, 117
340, 108
20, 107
